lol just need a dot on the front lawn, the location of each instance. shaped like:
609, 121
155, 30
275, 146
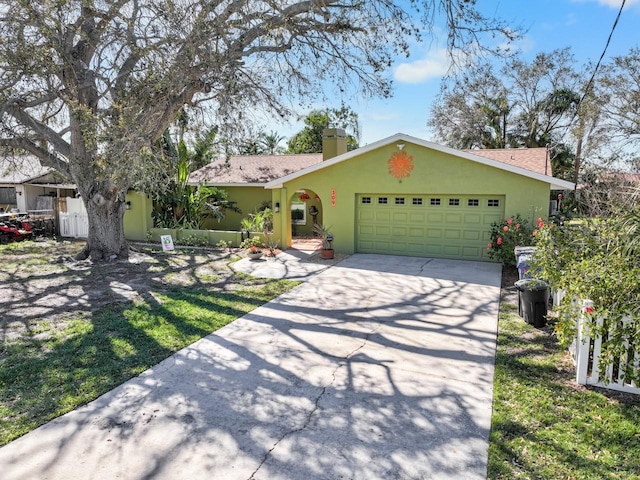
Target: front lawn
544, 425
71, 331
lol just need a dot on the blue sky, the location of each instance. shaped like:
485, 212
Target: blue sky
583, 25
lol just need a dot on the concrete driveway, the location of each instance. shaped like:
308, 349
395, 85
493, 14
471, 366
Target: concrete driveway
378, 368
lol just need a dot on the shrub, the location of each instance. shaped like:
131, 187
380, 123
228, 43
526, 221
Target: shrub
507, 235
193, 241
595, 259
252, 242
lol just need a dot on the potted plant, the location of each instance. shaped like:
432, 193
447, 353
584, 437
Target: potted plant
254, 253
327, 240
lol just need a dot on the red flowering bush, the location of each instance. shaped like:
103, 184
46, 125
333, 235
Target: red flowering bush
508, 234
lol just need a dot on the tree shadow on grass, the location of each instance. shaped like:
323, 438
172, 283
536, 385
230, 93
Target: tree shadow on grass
382, 387
71, 334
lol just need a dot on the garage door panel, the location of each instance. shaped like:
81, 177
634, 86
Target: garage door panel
365, 230
471, 252
453, 218
459, 227
473, 219
381, 245
400, 217
433, 250
415, 248
452, 234
472, 235
366, 215
451, 250
488, 219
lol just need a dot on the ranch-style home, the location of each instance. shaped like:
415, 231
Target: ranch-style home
27, 186
400, 195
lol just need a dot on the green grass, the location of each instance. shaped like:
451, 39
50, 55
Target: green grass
544, 425
53, 369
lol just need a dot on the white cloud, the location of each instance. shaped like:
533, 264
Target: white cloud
435, 65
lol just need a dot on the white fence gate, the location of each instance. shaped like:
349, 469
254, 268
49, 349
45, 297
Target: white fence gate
586, 354
74, 225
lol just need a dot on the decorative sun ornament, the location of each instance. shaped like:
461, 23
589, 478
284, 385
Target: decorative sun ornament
400, 164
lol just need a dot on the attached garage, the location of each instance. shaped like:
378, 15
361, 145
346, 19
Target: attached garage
431, 225
407, 196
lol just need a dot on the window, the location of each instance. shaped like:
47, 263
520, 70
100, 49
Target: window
435, 201
454, 202
473, 202
382, 201
298, 214
493, 203
7, 196
417, 201
399, 201
366, 199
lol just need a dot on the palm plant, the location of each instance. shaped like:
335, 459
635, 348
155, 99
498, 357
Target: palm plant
181, 205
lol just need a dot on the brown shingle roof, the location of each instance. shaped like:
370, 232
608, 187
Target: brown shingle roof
533, 159
252, 169
261, 169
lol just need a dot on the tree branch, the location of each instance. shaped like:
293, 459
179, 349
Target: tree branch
46, 158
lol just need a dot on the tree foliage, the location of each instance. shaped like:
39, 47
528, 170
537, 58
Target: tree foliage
90, 86
520, 104
619, 85
176, 204
545, 103
309, 139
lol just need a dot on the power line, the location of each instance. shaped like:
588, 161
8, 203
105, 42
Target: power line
586, 91
595, 70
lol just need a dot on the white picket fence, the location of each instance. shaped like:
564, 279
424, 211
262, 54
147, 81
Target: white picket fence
74, 225
586, 355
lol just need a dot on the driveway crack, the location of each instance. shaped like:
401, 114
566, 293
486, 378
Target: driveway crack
316, 403
422, 267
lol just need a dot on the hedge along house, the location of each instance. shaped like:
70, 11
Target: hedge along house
406, 196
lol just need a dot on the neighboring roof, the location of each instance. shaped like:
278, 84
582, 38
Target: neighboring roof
21, 169
534, 159
554, 183
252, 170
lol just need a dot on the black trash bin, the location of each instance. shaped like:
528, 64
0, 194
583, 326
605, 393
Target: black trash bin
533, 296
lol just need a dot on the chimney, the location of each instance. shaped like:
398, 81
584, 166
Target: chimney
334, 143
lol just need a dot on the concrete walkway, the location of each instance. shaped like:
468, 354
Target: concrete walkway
292, 264
378, 368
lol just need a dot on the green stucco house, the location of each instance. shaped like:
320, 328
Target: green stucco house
400, 195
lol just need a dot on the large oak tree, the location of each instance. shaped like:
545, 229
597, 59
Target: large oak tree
89, 86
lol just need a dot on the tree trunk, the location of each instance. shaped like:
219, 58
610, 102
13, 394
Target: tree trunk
106, 239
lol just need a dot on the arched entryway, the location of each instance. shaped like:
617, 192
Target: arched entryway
306, 211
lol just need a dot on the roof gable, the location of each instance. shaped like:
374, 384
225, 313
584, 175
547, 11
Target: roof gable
554, 183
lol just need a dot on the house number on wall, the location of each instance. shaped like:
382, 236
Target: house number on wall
333, 197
